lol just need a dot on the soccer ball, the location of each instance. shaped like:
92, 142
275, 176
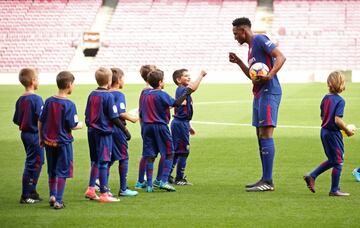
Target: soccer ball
258, 70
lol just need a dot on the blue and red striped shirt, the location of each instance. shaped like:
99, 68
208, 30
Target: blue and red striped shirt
183, 112
58, 117
100, 110
260, 51
27, 112
331, 105
155, 106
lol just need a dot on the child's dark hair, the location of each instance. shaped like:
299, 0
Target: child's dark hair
117, 74
154, 78
242, 21
145, 70
26, 75
177, 75
64, 78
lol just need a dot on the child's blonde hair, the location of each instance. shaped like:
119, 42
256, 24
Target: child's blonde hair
336, 82
117, 74
26, 75
102, 76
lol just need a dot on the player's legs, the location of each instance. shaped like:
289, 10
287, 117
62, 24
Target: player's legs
33, 164
150, 150
51, 159
265, 112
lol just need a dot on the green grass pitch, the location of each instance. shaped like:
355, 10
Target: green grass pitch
223, 159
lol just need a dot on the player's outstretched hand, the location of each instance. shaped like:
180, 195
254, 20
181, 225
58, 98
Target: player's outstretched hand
233, 58
350, 130
203, 73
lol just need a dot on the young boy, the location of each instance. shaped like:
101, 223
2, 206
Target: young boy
27, 112
181, 127
155, 115
332, 111
120, 145
141, 183
100, 115
58, 118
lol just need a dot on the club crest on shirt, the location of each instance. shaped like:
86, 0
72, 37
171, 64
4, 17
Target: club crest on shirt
122, 105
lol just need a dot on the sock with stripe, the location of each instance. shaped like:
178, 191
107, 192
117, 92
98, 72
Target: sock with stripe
160, 168
26, 187
60, 187
103, 176
335, 178
267, 154
180, 170
321, 168
94, 174
52, 185
175, 161
142, 169
149, 172
166, 169
123, 170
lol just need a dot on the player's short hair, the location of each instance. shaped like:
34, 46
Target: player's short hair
242, 21
177, 74
102, 76
117, 74
64, 79
145, 70
154, 78
26, 75
336, 82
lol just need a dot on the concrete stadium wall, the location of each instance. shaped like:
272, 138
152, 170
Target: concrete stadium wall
212, 77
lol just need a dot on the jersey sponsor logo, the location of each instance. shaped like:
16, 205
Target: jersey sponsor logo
76, 118
115, 109
122, 105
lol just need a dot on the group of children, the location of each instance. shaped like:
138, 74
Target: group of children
50, 125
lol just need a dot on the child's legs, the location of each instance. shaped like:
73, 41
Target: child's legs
149, 170
165, 145
33, 163
160, 168
180, 131
142, 168
51, 158
64, 169
150, 150
104, 155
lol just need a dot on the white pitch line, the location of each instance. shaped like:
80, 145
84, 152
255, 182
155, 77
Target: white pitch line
249, 125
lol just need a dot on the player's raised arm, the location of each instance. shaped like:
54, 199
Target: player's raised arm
233, 58
195, 84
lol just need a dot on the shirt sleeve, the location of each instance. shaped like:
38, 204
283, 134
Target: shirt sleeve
121, 103
42, 116
112, 109
38, 106
167, 100
16, 114
266, 44
339, 110
72, 118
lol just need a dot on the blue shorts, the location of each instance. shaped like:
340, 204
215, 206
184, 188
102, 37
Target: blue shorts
34, 153
156, 138
100, 146
60, 160
180, 131
333, 145
265, 110
120, 146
